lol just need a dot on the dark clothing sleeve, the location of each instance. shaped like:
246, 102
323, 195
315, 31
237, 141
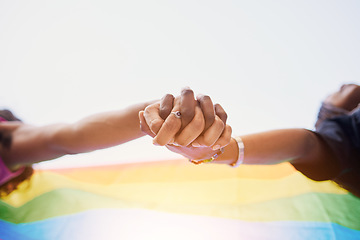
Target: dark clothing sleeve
342, 135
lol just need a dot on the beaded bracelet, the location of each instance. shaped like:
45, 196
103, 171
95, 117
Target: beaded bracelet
241, 147
215, 156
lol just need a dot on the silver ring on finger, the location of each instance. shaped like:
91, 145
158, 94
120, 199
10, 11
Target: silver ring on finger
177, 114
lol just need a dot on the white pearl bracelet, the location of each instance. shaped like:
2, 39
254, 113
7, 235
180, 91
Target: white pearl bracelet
240, 158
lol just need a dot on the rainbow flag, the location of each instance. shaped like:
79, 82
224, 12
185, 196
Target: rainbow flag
177, 200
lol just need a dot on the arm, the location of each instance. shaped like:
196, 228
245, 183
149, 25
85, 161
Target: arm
32, 144
304, 149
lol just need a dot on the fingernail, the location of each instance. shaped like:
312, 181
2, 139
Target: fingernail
195, 144
216, 147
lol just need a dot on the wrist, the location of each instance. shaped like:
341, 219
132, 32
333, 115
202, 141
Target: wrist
230, 155
208, 160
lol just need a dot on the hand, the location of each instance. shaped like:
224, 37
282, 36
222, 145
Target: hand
202, 124
160, 122
348, 97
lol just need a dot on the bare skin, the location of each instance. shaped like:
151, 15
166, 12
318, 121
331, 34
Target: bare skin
301, 147
204, 125
32, 144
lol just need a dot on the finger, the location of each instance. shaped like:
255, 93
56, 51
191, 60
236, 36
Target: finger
166, 105
210, 136
221, 112
152, 117
192, 130
208, 109
143, 126
224, 139
187, 106
168, 130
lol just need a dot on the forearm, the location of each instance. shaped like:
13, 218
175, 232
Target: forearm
271, 147
302, 148
32, 144
100, 131
277, 146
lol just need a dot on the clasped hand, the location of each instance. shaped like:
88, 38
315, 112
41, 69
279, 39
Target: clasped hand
194, 128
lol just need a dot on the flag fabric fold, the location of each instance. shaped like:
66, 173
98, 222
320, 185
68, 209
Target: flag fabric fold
177, 200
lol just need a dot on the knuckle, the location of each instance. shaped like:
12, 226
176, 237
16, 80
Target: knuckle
168, 96
219, 108
167, 100
203, 98
187, 92
206, 98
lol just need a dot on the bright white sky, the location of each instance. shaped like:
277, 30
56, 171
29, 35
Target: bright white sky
269, 63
